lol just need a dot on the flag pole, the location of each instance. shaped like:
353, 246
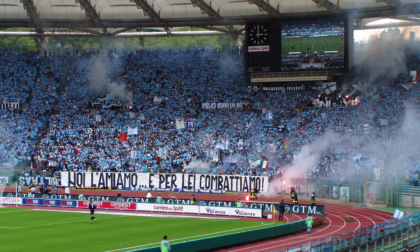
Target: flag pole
274, 213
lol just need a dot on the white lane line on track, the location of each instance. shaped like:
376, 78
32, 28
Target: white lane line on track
183, 238
358, 226
294, 238
321, 236
300, 218
362, 215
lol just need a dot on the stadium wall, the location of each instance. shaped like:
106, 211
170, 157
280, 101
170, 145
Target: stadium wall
220, 241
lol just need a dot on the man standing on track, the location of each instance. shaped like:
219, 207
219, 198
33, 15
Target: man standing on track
309, 220
313, 201
164, 245
282, 207
92, 208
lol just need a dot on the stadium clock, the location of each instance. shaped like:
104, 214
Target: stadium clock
258, 34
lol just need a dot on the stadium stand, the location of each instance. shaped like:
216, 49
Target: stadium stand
58, 126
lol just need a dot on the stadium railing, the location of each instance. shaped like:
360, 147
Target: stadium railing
393, 235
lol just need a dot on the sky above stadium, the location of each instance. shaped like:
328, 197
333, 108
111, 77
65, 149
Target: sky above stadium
366, 35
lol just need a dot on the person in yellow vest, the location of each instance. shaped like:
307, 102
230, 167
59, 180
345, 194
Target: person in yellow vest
294, 196
193, 200
239, 203
292, 193
309, 221
159, 199
164, 245
313, 202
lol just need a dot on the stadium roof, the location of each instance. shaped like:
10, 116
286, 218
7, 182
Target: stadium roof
229, 16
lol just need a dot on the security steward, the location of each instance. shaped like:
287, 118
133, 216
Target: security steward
253, 194
313, 201
239, 203
293, 195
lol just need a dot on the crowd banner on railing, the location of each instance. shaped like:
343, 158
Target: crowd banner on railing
39, 180
4, 180
166, 181
222, 105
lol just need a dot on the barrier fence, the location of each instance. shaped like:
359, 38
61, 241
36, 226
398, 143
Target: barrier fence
265, 206
150, 207
392, 235
221, 241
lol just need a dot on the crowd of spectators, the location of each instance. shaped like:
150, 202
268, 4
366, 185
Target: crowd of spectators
58, 129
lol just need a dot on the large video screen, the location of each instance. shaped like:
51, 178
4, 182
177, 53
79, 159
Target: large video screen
313, 44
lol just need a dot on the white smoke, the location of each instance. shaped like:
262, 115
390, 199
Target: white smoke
309, 156
383, 58
102, 68
406, 143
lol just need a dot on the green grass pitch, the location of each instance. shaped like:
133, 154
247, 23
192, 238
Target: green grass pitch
315, 44
38, 230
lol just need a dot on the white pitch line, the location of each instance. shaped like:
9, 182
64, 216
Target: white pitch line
183, 238
13, 211
142, 214
56, 223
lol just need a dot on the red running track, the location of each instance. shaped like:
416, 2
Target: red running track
334, 225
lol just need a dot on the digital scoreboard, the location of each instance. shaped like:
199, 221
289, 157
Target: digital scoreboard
293, 45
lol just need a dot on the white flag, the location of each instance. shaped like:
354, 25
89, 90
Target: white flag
413, 77
157, 100
216, 156
132, 131
98, 118
329, 87
180, 124
269, 115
